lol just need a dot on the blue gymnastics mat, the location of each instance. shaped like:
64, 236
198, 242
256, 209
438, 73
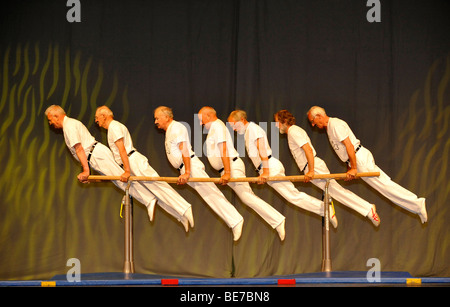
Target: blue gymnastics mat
320, 278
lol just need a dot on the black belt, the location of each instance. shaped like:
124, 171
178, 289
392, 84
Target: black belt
220, 171
306, 165
260, 166
356, 150
182, 164
129, 154
90, 152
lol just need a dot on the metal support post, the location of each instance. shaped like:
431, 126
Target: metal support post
128, 266
326, 257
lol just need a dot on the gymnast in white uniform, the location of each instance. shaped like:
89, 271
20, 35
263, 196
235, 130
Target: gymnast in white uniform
360, 159
136, 164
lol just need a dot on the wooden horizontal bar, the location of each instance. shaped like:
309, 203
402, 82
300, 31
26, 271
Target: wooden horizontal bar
96, 178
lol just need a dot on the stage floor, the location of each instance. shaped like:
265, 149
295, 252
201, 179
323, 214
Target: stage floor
347, 278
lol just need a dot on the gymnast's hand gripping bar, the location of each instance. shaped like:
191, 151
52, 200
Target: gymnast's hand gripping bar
96, 178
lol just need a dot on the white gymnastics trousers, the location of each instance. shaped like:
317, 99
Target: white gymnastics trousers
338, 192
103, 162
248, 197
212, 195
168, 198
290, 192
383, 184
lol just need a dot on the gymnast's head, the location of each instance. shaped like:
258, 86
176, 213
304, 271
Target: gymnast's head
284, 119
163, 117
206, 115
103, 116
55, 115
238, 121
317, 117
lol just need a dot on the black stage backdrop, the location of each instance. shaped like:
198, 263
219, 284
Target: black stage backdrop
389, 80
